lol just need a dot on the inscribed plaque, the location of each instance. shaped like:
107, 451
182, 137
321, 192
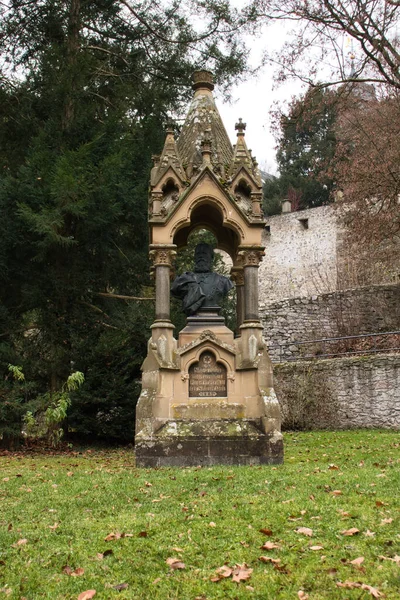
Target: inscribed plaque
207, 378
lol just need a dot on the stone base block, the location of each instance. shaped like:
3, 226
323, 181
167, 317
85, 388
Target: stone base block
220, 442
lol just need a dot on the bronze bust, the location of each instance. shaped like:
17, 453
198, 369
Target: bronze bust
201, 288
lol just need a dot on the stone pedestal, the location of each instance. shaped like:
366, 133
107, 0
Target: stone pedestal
214, 404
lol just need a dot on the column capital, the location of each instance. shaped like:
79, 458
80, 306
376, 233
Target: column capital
251, 256
162, 254
237, 275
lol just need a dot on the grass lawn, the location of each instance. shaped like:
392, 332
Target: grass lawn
56, 512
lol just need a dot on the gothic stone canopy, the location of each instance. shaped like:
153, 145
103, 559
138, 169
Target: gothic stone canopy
200, 180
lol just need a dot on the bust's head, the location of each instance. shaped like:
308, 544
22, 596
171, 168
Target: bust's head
203, 257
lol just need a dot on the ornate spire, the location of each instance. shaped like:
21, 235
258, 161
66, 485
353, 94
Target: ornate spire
242, 156
169, 157
202, 117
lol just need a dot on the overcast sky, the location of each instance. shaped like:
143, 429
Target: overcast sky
253, 100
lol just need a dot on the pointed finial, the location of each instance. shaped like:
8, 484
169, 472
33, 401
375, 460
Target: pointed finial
240, 127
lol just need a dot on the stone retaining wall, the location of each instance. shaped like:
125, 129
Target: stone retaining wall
351, 312
354, 392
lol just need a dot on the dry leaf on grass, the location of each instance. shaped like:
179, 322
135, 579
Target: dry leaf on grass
302, 595
386, 521
395, 559
350, 585
175, 563
116, 536
238, 573
120, 586
21, 542
316, 547
357, 561
267, 559
67, 570
269, 546
352, 531
224, 572
305, 531
266, 532
241, 573
87, 595
336, 493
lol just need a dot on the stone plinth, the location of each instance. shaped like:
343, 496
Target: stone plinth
214, 405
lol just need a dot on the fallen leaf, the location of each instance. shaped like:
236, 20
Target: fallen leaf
357, 561
373, 591
21, 542
386, 521
379, 503
333, 468
302, 595
87, 595
305, 531
266, 532
175, 563
352, 531
269, 546
224, 571
250, 588
395, 559
369, 533
69, 474
156, 581
67, 570
212, 524
336, 493
120, 586
241, 573
142, 534
78, 572
267, 559
175, 549
349, 585
281, 569
112, 536
316, 547
244, 544
53, 527
148, 484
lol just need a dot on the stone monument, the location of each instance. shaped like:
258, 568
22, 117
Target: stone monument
207, 398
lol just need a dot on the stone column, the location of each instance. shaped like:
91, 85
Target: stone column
251, 259
162, 257
162, 340
251, 342
237, 277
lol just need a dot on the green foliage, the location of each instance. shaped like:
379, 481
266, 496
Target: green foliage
46, 422
306, 146
16, 372
85, 97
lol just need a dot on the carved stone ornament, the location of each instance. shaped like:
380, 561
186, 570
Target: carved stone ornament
162, 256
237, 277
207, 334
253, 257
